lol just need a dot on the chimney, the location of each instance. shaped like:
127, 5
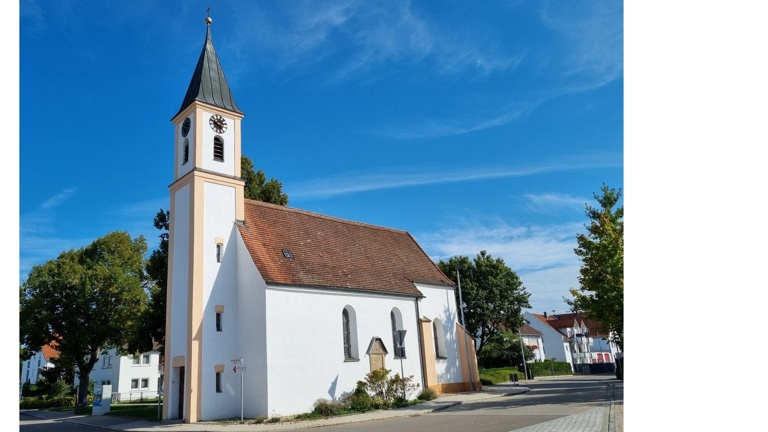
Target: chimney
545, 314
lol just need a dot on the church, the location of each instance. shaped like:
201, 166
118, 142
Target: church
271, 308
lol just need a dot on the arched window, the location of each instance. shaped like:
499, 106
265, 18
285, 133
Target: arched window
349, 333
186, 151
218, 149
396, 319
437, 329
347, 336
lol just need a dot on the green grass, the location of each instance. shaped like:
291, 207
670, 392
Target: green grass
498, 375
145, 411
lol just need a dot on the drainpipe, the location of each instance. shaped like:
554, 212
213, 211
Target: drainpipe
421, 345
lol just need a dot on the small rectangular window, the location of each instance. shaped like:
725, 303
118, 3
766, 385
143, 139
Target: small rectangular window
145, 359
218, 253
135, 360
134, 384
145, 383
218, 321
218, 382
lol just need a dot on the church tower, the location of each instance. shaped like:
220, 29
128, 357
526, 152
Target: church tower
206, 206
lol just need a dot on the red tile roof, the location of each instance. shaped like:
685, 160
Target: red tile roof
561, 321
334, 253
50, 352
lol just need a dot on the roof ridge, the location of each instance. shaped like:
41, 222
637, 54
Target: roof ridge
322, 216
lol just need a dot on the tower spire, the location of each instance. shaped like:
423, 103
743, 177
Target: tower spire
208, 82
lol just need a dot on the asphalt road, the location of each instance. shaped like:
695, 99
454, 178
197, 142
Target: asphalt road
576, 405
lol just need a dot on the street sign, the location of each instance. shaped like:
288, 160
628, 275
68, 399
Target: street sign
239, 369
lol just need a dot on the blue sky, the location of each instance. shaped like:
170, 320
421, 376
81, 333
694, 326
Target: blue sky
472, 125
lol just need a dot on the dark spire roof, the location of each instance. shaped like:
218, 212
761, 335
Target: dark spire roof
208, 83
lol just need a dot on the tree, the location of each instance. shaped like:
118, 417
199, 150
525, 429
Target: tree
601, 250
152, 328
85, 301
258, 188
153, 322
493, 295
503, 350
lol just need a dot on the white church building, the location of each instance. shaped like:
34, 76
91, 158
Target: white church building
275, 307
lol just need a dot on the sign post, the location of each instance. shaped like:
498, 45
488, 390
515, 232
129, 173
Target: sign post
401, 351
239, 368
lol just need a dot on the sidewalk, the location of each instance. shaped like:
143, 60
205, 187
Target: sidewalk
444, 401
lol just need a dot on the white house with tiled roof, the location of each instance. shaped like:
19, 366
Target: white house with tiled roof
534, 339
271, 308
573, 338
31, 367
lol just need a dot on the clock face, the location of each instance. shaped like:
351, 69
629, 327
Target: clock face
218, 123
185, 127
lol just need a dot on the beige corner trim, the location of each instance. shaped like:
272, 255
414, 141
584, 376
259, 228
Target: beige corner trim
177, 361
219, 240
219, 368
219, 308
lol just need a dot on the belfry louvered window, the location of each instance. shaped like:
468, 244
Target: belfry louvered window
186, 151
218, 149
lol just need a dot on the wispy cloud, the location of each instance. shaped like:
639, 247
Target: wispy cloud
542, 255
349, 40
392, 178
58, 199
552, 202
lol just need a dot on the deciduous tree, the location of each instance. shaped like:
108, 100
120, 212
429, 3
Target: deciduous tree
601, 250
86, 301
493, 295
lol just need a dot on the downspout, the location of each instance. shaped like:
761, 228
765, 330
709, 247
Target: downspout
421, 345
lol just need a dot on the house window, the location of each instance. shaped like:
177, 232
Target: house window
218, 149
437, 329
135, 360
349, 333
38, 362
218, 321
145, 359
145, 383
186, 151
218, 382
107, 362
135, 384
218, 253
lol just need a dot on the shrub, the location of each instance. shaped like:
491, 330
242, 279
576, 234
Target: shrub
327, 408
360, 400
385, 390
427, 394
68, 401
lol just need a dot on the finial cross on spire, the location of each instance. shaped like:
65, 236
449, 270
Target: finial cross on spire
209, 10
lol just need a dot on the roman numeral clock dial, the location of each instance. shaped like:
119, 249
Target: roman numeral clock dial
218, 123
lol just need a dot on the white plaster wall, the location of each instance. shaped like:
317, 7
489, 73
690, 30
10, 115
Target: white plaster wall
440, 302
554, 347
219, 288
30, 370
251, 315
305, 350
187, 167
176, 342
227, 167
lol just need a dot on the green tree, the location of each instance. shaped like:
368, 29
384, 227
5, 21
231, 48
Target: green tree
86, 301
493, 295
601, 250
152, 327
503, 350
257, 187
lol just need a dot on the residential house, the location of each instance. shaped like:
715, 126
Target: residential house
30, 368
534, 340
271, 308
132, 377
573, 338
